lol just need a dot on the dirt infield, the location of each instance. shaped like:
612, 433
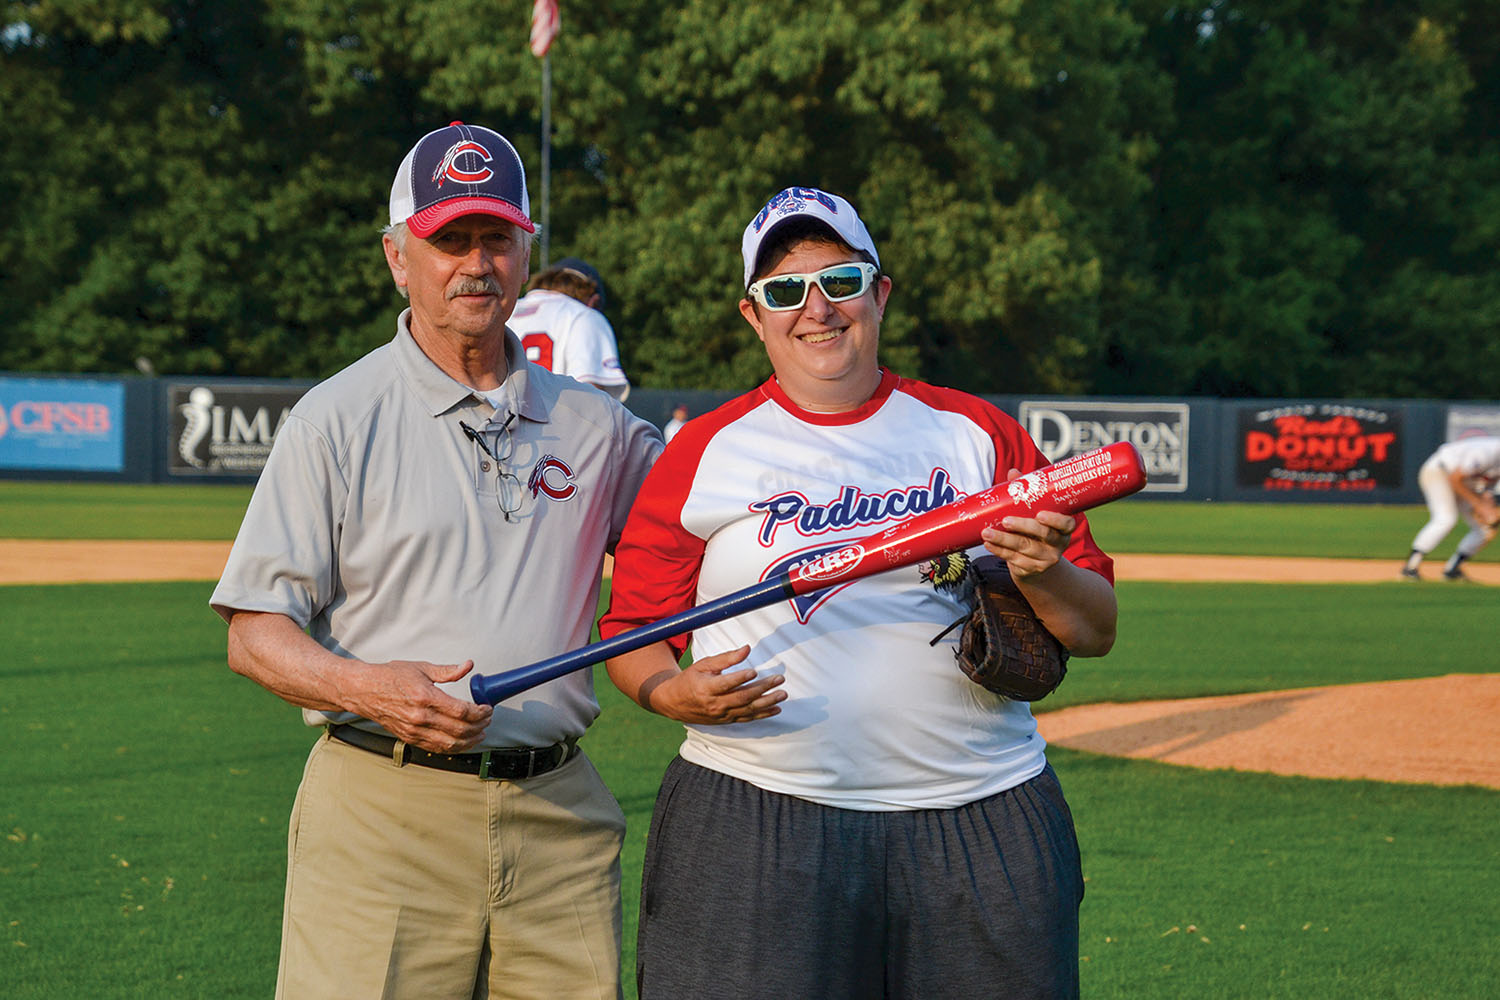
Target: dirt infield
1437, 730
1433, 730
31, 561
91, 561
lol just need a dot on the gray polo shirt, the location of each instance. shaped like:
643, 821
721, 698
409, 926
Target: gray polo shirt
378, 525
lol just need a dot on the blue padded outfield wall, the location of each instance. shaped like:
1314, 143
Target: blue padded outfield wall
166, 430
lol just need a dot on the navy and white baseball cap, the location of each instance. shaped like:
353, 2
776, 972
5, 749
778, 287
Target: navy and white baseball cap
805, 203
460, 170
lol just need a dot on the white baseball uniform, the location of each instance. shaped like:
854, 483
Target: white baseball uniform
567, 337
1477, 459
876, 718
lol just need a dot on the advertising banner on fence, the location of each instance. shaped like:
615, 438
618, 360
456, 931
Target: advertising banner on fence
1473, 421
223, 431
1336, 447
62, 423
1158, 430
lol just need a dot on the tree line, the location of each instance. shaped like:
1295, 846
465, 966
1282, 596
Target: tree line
1238, 197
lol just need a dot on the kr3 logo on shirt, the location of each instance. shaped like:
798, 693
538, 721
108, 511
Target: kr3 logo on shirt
823, 561
553, 477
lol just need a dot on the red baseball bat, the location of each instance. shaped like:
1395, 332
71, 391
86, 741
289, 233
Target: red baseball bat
1068, 487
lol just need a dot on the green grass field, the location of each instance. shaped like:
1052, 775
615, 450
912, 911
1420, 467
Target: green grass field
1356, 531
147, 788
107, 510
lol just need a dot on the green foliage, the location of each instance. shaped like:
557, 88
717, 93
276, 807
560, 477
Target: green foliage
1252, 197
1327, 199
982, 145
186, 194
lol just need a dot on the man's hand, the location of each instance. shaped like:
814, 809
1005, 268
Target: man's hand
1487, 511
403, 697
274, 652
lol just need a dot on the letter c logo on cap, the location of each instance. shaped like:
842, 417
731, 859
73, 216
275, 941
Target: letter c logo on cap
448, 168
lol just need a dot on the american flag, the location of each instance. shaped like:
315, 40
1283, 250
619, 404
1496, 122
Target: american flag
544, 23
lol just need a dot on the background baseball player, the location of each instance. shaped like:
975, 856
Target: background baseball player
1457, 479
561, 323
679, 417
874, 823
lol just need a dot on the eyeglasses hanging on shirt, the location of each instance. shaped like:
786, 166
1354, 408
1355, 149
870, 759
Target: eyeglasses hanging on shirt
507, 484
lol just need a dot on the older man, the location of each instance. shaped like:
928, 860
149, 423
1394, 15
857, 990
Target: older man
441, 506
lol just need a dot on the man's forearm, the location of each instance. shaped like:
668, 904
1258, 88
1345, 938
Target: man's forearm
271, 650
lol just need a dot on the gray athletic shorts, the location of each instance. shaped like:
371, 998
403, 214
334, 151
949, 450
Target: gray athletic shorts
749, 894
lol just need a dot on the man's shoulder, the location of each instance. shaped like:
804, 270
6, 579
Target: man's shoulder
352, 390
568, 396
583, 413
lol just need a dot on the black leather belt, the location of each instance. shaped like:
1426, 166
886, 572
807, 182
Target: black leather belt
495, 764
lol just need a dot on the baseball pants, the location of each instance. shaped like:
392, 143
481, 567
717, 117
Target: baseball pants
408, 882
1444, 508
751, 895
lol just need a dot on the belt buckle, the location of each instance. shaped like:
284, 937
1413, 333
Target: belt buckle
485, 761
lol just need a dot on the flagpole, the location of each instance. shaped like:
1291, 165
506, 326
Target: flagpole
544, 24
546, 154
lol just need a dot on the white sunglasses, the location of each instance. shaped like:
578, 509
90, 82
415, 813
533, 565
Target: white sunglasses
838, 283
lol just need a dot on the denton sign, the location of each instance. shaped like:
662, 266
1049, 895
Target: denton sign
1159, 431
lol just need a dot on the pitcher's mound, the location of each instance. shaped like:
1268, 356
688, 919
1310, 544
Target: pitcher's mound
1434, 731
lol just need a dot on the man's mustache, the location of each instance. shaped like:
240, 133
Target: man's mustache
474, 286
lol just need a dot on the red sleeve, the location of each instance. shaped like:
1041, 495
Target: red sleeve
1014, 449
657, 559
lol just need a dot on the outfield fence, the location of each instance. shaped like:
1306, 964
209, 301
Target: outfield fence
160, 430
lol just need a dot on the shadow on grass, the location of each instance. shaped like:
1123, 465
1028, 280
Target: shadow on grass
1160, 735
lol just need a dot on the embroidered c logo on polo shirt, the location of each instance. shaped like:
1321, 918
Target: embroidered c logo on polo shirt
553, 477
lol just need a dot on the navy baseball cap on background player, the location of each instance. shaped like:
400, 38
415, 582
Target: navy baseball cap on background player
805, 203
585, 270
460, 170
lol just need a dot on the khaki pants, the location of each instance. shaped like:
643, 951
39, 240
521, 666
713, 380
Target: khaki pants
415, 883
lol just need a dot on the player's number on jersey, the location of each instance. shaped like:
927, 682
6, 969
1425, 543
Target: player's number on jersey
538, 349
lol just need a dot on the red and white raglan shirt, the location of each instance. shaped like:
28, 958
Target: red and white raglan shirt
875, 717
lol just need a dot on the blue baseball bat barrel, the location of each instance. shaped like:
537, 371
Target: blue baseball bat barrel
491, 689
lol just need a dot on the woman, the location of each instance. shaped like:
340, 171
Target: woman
849, 815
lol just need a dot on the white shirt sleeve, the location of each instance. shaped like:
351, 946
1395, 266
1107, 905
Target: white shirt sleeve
586, 350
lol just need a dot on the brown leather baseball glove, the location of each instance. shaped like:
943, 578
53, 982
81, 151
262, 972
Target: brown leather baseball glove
1004, 647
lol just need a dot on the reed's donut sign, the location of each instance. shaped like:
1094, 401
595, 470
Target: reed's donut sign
1336, 447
